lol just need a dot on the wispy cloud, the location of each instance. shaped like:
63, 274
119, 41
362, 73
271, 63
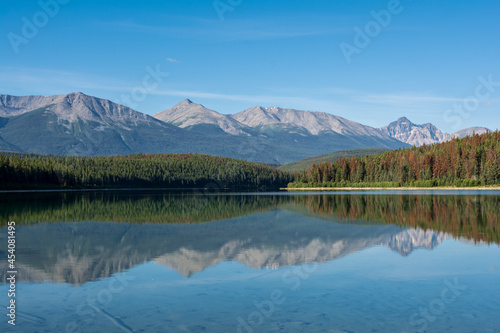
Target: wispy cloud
346, 102
76, 80
230, 30
256, 99
396, 99
404, 98
51, 81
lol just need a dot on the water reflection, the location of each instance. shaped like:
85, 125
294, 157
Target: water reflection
474, 217
81, 252
261, 232
184, 262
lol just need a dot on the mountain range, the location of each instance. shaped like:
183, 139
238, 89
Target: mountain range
78, 124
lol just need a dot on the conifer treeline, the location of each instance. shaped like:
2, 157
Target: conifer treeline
470, 161
138, 170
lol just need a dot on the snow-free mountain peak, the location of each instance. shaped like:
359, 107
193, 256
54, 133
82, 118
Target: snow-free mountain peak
188, 114
403, 120
470, 131
406, 131
70, 108
187, 101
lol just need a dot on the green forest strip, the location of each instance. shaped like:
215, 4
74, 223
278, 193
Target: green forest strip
22, 172
469, 162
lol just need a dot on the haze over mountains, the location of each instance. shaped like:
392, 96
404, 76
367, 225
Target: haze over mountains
78, 124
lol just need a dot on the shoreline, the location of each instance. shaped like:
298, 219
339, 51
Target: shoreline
439, 188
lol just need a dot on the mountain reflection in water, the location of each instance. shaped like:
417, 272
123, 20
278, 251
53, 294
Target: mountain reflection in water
75, 237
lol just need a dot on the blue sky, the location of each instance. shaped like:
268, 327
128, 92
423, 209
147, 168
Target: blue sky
429, 60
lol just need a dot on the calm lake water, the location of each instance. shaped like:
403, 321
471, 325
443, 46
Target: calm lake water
241, 262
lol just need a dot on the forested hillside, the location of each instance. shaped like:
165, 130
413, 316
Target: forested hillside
138, 170
471, 161
331, 157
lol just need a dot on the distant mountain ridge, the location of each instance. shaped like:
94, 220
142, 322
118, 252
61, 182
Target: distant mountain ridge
16, 105
416, 135
470, 131
311, 121
78, 124
187, 113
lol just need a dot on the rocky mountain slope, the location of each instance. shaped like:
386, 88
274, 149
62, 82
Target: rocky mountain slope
416, 135
404, 130
302, 132
16, 105
312, 122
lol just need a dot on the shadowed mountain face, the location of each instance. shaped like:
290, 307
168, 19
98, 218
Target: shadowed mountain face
65, 237
78, 124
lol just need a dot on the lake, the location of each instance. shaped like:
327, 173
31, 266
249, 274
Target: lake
197, 261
